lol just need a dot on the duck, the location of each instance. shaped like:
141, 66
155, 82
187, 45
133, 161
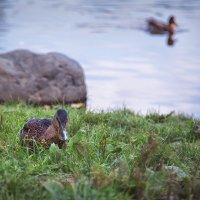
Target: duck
157, 27
45, 131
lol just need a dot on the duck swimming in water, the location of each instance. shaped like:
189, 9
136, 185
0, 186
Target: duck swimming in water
46, 131
158, 27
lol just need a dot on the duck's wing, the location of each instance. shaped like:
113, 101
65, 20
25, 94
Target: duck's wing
155, 22
155, 26
34, 128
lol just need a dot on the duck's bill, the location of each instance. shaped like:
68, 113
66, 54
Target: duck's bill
64, 135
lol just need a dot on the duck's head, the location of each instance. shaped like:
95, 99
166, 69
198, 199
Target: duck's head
60, 122
172, 24
172, 20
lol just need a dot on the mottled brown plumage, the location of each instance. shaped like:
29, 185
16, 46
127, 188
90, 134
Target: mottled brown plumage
45, 131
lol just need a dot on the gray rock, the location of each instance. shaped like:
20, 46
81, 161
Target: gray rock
40, 78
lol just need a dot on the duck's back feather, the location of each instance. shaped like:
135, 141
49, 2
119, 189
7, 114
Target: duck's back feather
35, 128
156, 27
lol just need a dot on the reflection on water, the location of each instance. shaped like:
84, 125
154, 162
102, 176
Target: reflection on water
170, 39
124, 65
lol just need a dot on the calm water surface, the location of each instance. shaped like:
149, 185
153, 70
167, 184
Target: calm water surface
123, 64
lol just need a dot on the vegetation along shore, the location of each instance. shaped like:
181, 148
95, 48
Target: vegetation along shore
109, 155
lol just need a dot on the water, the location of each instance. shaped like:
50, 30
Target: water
124, 65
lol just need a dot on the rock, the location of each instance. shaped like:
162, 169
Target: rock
41, 78
78, 105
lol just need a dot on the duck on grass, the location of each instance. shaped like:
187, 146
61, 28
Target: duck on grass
46, 131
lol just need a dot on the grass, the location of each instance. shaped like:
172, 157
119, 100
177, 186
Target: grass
110, 155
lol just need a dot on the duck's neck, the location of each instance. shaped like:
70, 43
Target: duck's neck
50, 133
172, 28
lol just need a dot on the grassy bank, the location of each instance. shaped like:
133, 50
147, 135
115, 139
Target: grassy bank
113, 155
